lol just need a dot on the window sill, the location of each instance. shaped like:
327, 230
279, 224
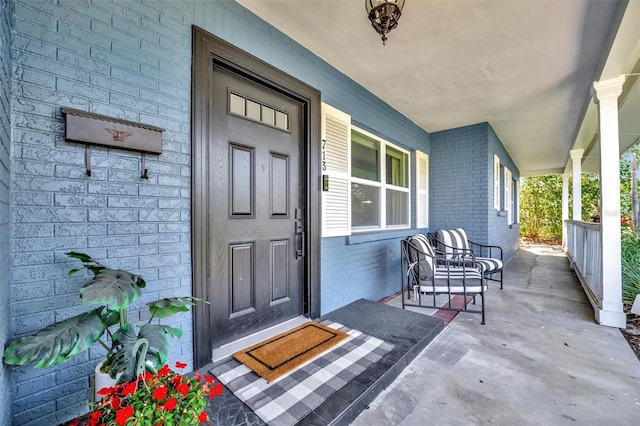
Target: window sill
367, 237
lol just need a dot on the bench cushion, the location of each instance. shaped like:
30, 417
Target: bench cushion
452, 239
426, 264
454, 280
491, 265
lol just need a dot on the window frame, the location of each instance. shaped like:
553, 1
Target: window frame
382, 184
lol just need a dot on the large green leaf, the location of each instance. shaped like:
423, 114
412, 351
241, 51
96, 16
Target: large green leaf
113, 287
88, 262
133, 353
58, 342
156, 335
166, 307
129, 354
110, 317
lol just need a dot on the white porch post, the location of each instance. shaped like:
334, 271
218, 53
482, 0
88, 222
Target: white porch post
565, 207
576, 160
611, 311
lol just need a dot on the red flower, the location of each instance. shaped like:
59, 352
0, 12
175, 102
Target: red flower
176, 379
94, 418
115, 402
180, 364
106, 391
209, 379
203, 417
129, 388
198, 376
164, 370
183, 388
74, 422
170, 404
159, 424
159, 393
123, 414
146, 376
217, 390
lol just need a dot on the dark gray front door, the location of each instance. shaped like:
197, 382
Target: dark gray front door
256, 200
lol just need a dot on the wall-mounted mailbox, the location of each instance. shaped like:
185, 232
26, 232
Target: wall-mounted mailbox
95, 129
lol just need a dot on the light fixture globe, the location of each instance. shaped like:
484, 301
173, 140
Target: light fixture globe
384, 15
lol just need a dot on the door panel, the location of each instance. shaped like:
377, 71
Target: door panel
241, 181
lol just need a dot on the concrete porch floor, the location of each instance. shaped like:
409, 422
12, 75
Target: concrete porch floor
540, 360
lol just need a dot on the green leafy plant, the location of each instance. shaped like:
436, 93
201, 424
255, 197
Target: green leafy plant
133, 349
630, 263
166, 397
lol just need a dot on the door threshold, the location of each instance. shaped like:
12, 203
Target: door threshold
225, 351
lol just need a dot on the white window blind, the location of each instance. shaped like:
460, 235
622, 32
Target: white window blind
507, 195
516, 201
422, 189
496, 182
336, 171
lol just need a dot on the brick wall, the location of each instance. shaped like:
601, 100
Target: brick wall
124, 59
459, 187
5, 181
360, 266
461, 174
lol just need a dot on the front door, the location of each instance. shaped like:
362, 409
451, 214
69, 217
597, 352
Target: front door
257, 208
255, 216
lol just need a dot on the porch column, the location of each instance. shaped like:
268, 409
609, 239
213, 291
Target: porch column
576, 160
611, 310
565, 207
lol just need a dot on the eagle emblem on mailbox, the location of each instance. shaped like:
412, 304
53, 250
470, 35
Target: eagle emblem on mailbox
118, 136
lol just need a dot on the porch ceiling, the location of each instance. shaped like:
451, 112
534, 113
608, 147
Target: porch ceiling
526, 67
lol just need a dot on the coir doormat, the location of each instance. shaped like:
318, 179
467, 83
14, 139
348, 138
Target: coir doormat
291, 397
280, 354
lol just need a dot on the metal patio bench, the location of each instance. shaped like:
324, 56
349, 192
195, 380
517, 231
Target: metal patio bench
429, 275
454, 244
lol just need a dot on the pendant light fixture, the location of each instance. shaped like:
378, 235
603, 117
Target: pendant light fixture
384, 15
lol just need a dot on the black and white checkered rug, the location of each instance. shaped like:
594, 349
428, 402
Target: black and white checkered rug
290, 398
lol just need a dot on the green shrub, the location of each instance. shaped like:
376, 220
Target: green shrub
630, 266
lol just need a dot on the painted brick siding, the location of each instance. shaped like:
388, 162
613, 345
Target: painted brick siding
361, 266
461, 174
125, 59
5, 182
458, 184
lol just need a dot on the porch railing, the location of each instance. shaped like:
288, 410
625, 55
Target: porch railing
583, 249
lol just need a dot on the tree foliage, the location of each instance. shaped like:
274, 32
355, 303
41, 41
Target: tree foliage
541, 201
541, 206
